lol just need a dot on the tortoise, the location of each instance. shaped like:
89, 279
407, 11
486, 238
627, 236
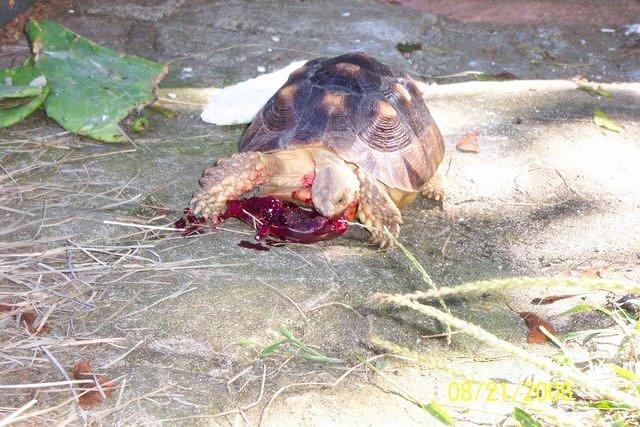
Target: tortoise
342, 132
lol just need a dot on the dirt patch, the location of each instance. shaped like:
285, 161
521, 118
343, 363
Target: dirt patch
513, 12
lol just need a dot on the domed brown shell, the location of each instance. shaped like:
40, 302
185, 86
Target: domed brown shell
358, 108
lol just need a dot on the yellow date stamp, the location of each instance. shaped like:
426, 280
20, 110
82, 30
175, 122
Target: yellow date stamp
493, 391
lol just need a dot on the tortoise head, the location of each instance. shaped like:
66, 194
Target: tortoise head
334, 190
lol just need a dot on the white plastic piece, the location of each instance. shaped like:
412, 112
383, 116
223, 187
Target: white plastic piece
633, 29
240, 102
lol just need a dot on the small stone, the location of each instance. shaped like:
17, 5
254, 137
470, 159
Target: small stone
345, 14
275, 38
172, 95
261, 69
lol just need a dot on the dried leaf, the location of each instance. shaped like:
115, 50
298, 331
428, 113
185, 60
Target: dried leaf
533, 322
91, 392
408, 47
24, 316
505, 75
550, 299
602, 120
469, 144
592, 273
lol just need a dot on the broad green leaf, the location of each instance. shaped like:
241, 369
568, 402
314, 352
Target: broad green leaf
92, 87
437, 412
602, 120
9, 91
524, 419
22, 91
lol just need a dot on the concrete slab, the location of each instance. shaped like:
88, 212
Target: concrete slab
549, 193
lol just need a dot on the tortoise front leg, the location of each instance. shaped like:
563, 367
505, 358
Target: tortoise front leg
376, 210
229, 179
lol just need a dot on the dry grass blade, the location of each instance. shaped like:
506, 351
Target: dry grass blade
519, 282
59, 278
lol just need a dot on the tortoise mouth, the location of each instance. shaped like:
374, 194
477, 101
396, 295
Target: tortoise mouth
349, 213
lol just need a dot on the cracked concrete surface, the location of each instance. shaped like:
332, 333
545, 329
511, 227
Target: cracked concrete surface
549, 193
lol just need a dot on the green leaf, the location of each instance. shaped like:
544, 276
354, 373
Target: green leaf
408, 47
595, 91
550, 336
524, 419
22, 91
92, 87
139, 124
8, 91
580, 308
602, 120
268, 351
381, 364
608, 405
622, 372
308, 352
246, 342
438, 412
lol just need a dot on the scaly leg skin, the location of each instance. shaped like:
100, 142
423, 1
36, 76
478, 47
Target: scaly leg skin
229, 179
435, 188
376, 210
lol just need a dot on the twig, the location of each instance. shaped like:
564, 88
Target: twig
119, 358
339, 304
425, 277
44, 385
264, 412
144, 227
60, 369
7, 420
173, 295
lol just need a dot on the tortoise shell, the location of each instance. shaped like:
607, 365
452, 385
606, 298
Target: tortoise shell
358, 108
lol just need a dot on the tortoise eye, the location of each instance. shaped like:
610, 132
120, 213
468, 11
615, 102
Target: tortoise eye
340, 200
